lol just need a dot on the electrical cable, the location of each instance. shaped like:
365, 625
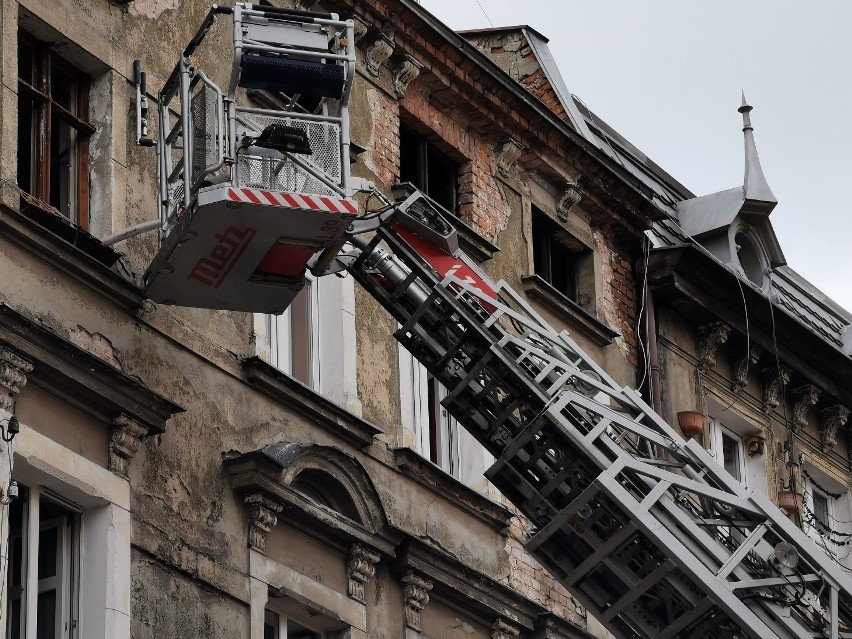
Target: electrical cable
646, 372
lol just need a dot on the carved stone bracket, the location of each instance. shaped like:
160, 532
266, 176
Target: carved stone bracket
377, 52
507, 153
124, 442
13, 377
831, 420
306, 5
361, 27
359, 569
570, 197
262, 518
404, 74
501, 629
774, 380
740, 378
803, 398
710, 338
415, 596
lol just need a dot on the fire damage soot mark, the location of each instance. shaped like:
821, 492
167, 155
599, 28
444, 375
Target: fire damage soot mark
212, 270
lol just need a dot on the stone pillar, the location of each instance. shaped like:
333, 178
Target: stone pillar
13, 377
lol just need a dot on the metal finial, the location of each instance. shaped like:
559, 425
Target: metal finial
745, 109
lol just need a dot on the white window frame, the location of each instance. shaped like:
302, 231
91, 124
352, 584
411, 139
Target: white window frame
332, 344
838, 511
717, 431
103, 560
66, 581
414, 381
281, 622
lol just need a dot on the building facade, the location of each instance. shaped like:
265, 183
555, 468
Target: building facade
195, 473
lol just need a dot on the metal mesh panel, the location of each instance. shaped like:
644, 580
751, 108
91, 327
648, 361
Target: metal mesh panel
204, 130
273, 173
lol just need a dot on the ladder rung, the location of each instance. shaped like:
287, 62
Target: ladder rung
639, 589
555, 524
602, 551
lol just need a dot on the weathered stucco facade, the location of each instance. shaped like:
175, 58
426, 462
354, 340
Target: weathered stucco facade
208, 489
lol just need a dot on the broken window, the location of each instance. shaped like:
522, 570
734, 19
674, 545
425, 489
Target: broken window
43, 572
561, 260
53, 130
422, 164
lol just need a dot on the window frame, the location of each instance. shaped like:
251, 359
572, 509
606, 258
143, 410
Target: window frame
415, 168
551, 243
435, 431
718, 431
66, 581
45, 112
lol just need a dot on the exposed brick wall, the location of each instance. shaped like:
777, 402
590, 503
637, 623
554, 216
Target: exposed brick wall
382, 156
529, 578
480, 202
512, 53
618, 299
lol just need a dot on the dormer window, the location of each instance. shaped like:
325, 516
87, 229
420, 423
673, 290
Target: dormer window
749, 257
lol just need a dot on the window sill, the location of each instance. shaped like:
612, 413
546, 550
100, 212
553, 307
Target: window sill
308, 403
579, 318
77, 253
421, 470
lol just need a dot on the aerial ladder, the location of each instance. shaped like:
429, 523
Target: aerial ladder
642, 527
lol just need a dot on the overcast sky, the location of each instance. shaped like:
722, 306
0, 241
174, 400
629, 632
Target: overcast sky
667, 74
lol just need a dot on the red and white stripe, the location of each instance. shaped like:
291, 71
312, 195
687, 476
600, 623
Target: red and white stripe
293, 200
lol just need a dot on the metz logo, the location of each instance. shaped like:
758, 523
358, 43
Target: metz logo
231, 244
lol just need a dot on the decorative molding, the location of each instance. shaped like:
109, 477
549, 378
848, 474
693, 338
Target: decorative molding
803, 398
361, 27
124, 442
502, 629
415, 596
740, 378
262, 519
570, 197
507, 153
359, 569
13, 377
774, 379
831, 420
377, 52
404, 74
710, 338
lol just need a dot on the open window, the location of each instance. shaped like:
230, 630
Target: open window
427, 168
727, 447
53, 130
562, 260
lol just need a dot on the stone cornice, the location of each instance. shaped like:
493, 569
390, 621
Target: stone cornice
48, 245
311, 405
83, 380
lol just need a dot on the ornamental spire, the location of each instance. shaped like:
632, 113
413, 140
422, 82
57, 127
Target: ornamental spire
755, 187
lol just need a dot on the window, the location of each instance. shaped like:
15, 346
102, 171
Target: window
293, 338
277, 626
749, 258
727, 447
422, 164
826, 517
561, 260
44, 560
436, 433
53, 130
